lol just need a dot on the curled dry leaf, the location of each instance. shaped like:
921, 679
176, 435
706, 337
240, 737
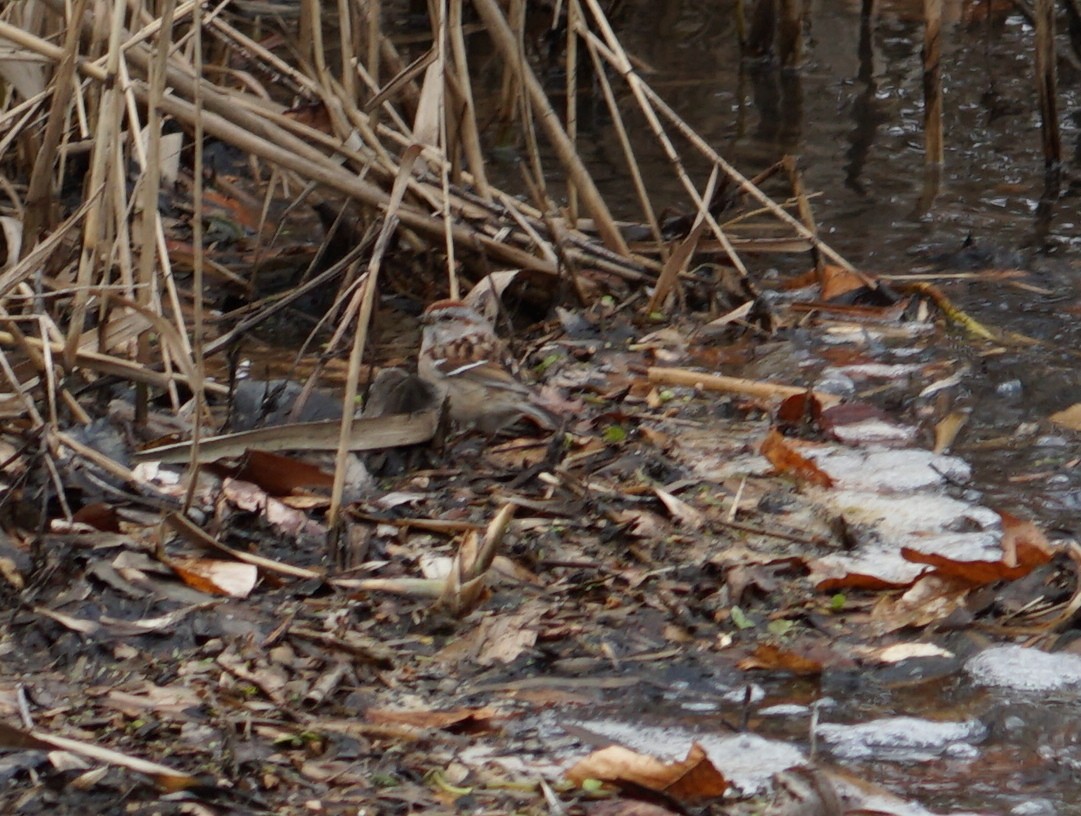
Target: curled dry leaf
694, 778
932, 598
836, 282
804, 791
1024, 547
464, 586
457, 720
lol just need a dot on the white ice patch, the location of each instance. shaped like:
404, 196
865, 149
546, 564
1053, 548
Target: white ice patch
878, 371
874, 431
897, 519
898, 471
903, 739
1024, 669
747, 761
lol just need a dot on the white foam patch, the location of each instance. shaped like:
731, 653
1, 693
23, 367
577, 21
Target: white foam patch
879, 371
883, 562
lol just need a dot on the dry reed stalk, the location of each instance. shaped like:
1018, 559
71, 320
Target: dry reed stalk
366, 293
470, 130
592, 200
38, 214
741, 181
115, 89
803, 205
573, 14
678, 260
197, 374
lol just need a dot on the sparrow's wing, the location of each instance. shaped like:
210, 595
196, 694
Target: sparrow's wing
461, 359
484, 372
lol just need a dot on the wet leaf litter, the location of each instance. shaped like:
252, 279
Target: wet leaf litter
759, 534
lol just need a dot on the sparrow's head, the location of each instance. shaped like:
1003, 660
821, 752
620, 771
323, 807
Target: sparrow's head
448, 319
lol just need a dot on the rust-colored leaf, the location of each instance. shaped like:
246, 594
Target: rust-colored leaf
852, 580
280, 475
788, 461
836, 282
852, 413
973, 573
799, 411
100, 516
1024, 547
314, 115
774, 658
216, 576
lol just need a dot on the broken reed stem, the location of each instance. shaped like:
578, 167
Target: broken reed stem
571, 109
734, 385
932, 82
106, 143
678, 260
643, 94
803, 205
148, 201
470, 132
742, 181
197, 328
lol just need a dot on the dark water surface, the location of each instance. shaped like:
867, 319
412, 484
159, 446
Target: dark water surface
853, 115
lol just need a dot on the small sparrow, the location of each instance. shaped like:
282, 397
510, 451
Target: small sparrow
462, 357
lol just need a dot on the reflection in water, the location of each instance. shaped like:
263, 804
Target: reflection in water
778, 97
866, 113
1045, 209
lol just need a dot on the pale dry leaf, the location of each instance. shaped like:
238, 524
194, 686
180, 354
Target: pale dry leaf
682, 512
